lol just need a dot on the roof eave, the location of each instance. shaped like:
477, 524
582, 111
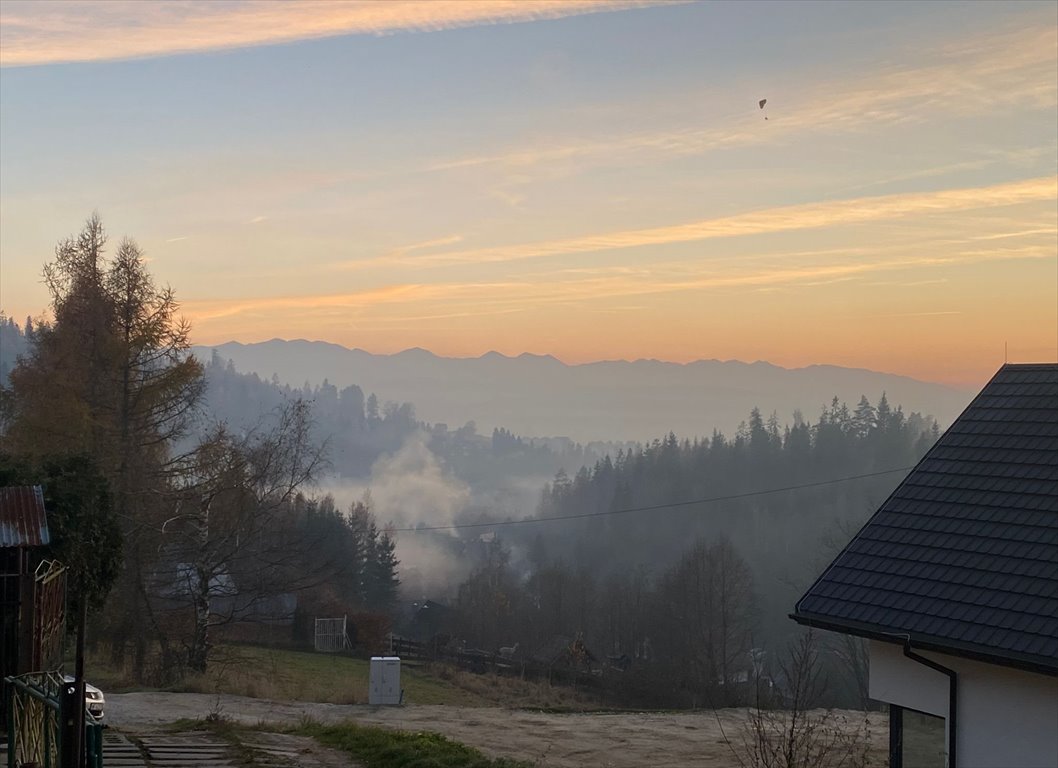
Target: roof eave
1036, 664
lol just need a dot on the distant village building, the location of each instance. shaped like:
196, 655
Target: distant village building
954, 582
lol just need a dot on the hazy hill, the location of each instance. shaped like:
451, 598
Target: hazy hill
617, 400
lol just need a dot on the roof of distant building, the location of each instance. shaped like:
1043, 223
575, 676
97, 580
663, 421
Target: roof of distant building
23, 522
963, 556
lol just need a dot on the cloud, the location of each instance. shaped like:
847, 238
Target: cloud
1022, 233
923, 314
986, 72
495, 298
176, 239
907, 283
257, 219
805, 275
34, 33
214, 309
783, 219
426, 245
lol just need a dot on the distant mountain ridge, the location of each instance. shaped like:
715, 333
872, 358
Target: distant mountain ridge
539, 395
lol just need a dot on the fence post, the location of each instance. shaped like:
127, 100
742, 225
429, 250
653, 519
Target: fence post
69, 728
9, 691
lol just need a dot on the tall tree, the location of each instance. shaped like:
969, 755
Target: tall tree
382, 579
109, 377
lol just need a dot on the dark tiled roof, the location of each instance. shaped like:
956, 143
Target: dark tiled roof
963, 556
22, 519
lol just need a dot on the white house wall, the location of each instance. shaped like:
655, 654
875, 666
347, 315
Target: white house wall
1006, 718
896, 679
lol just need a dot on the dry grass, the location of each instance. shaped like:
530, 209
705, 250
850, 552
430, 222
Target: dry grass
515, 692
285, 675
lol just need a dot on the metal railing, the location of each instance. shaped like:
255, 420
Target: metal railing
34, 723
34, 719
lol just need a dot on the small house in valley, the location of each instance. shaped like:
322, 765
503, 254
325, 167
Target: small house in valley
954, 584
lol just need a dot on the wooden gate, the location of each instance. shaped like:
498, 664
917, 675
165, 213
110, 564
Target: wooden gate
49, 615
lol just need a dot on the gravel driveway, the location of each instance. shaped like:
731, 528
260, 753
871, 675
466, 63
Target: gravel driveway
624, 740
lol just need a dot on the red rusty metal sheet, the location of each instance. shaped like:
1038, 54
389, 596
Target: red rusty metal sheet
22, 519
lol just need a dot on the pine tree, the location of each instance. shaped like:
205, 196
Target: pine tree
863, 418
383, 577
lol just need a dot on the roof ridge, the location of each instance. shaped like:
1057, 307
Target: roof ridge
1030, 366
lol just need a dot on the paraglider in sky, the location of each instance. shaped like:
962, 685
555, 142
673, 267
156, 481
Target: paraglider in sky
761, 104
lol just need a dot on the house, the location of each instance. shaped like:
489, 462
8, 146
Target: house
32, 588
954, 583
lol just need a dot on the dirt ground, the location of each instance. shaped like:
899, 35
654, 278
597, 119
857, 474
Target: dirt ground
625, 740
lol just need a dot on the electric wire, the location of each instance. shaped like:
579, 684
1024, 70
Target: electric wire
651, 508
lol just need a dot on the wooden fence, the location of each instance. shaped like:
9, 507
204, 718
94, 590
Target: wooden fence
483, 662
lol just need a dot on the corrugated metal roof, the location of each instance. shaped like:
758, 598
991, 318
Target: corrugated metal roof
23, 522
964, 554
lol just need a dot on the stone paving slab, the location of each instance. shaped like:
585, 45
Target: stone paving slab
186, 751
202, 750
119, 752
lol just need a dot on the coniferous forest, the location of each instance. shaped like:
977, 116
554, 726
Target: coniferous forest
677, 560
641, 580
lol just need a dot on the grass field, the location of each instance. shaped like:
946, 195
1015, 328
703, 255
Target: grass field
383, 748
286, 675
371, 746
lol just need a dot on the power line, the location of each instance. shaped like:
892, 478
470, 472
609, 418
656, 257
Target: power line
670, 505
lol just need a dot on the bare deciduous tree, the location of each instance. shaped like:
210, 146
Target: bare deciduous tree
230, 546
786, 730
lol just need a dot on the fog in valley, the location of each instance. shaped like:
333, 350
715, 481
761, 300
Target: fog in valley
532, 538
635, 361
544, 538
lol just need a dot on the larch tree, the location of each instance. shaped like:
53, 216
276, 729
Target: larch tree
109, 377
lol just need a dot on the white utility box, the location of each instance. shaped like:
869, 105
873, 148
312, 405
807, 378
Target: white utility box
385, 681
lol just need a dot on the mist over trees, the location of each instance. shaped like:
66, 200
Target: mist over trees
104, 402
674, 561
540, 396
685, 593
503, 471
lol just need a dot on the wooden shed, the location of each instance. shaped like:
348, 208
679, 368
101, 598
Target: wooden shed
32, 588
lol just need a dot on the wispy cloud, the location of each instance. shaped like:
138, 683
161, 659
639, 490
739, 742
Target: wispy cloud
214, 309
783, 219
94, 30
1022, 233
907, 283
997, 70
412, 301
176, 239
257, 219
426, 245
805, 275
923, 314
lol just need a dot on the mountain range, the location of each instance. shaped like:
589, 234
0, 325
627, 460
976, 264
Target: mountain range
540, 396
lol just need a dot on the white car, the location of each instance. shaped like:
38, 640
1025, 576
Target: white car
94, 701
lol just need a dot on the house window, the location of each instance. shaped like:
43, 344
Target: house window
916, 740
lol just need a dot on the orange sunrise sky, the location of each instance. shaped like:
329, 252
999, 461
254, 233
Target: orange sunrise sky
592, 180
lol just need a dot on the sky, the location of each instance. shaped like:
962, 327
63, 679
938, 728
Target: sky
592, 180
